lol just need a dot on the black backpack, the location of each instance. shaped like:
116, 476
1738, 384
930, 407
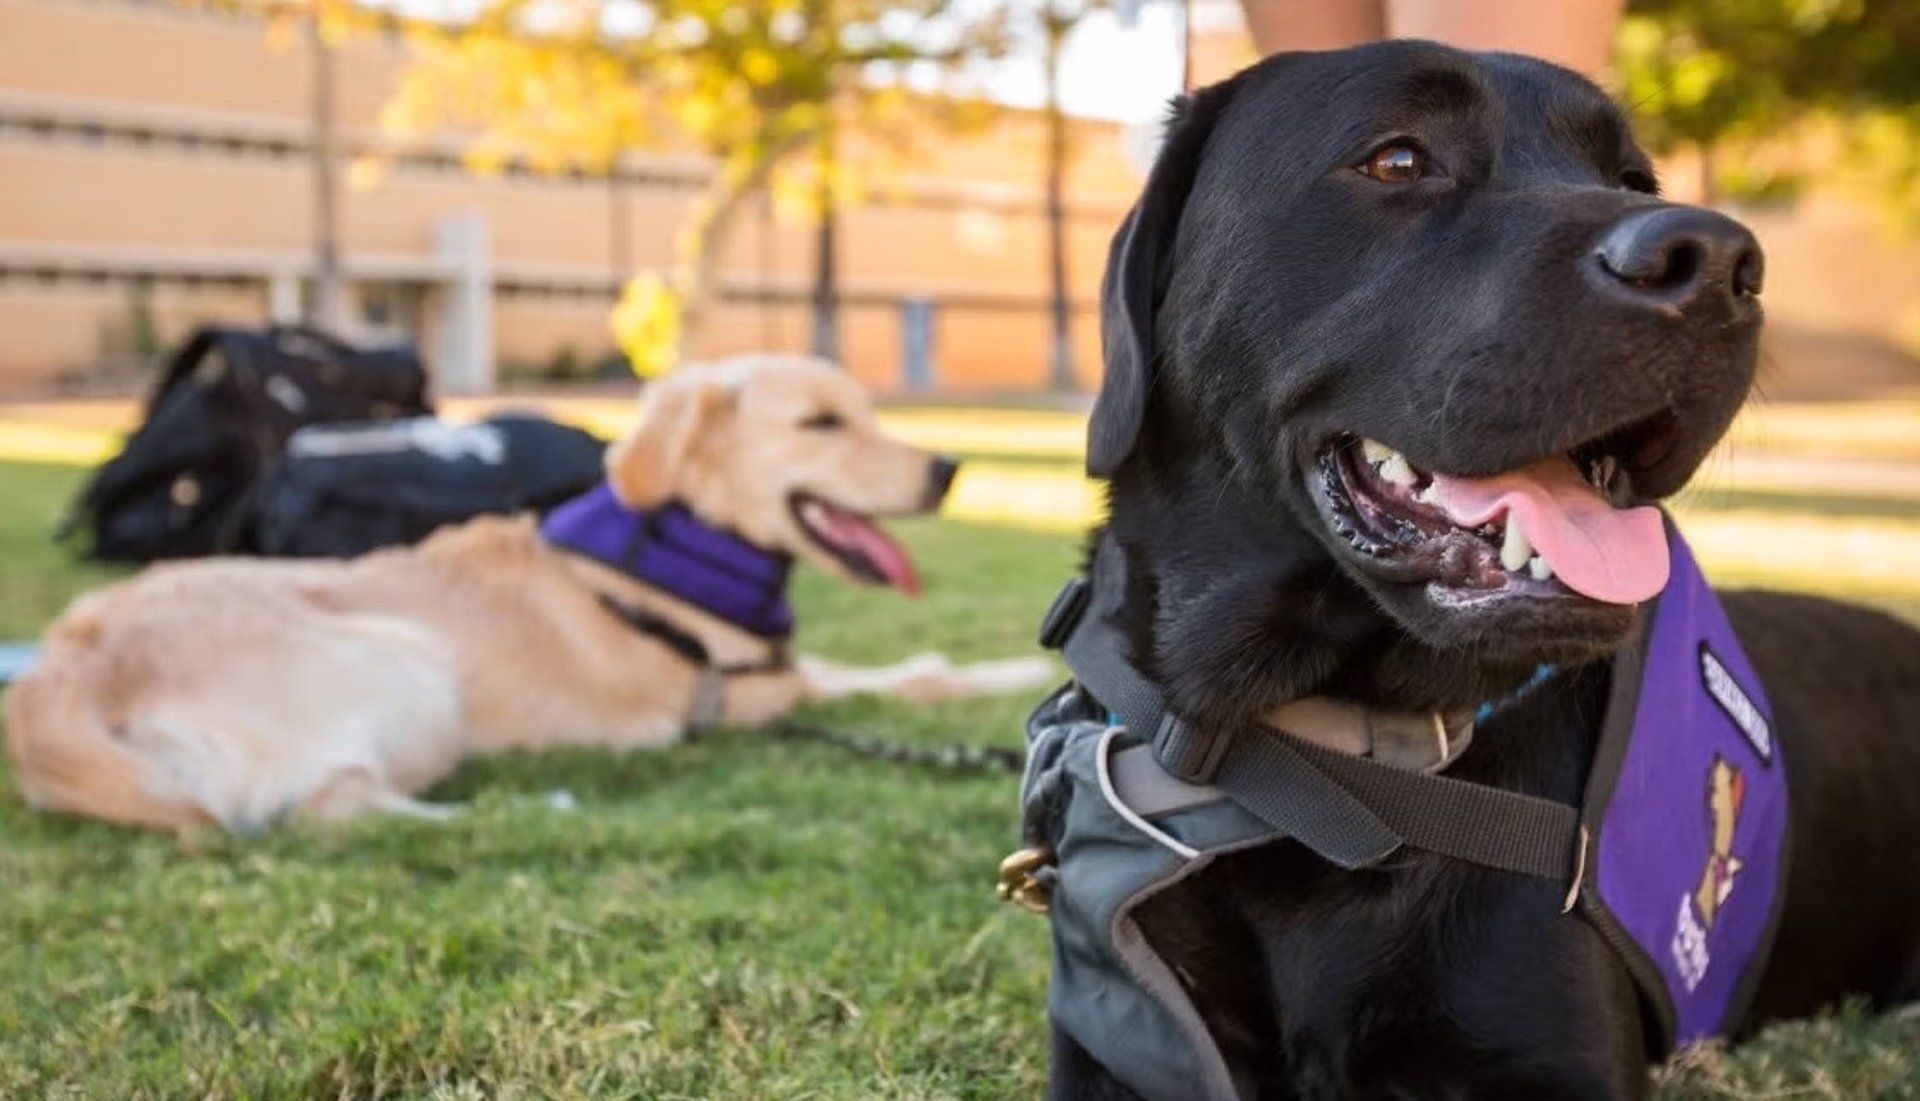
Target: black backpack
343, 490
220, 415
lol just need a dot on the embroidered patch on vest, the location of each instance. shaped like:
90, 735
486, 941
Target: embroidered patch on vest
1739, 707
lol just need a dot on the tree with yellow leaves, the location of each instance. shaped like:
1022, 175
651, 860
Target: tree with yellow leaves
766, 89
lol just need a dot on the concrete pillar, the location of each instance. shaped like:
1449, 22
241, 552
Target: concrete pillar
462, 331
283, 297
916, 345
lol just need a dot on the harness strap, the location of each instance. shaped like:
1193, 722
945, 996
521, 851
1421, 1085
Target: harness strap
1351, 810
1424, 742
675, 638
1269, 775
709, 703
687, 645
1151, 791
1467, 821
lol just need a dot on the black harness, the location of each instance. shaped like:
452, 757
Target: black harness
709, 703
1674, 855
688, 645
1351, 810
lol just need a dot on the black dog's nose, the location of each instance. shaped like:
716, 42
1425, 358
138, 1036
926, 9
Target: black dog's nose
1682, 257
940, 474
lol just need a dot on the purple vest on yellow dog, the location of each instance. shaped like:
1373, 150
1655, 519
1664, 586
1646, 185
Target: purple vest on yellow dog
676, 552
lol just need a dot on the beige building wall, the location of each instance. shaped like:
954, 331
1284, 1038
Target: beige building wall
154, 172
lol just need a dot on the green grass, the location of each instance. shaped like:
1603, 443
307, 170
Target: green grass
739, 917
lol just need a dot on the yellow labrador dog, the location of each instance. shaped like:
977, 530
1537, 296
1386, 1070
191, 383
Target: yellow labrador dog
244, 692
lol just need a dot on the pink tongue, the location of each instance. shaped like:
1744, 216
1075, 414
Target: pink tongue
876, 547
1610, 554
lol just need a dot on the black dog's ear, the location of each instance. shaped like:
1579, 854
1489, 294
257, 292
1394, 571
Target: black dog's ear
1136, 275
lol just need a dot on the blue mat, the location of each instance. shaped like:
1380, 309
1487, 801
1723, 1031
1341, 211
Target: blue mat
16, 658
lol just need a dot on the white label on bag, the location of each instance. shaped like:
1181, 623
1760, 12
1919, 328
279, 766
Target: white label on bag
447, 442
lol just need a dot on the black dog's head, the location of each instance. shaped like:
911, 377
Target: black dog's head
1395, 336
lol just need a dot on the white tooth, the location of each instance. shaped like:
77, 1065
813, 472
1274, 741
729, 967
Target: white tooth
1515, 550
1537, 566
1427, 495
1376, 452
1398, 471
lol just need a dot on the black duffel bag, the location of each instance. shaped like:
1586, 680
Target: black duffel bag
343, 490
221, 414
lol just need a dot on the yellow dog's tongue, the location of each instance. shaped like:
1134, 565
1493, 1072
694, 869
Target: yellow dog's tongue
1618, 555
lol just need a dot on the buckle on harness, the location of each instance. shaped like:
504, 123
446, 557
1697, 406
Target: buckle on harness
1063, 615
1189, 754
1022, 881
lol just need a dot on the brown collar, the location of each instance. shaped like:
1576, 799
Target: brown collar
1416, 741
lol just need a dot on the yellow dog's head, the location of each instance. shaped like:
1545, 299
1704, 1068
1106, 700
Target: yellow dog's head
785, 452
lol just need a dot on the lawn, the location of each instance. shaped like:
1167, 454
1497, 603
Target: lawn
740, 917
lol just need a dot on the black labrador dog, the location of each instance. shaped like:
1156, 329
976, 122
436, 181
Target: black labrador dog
1353, 272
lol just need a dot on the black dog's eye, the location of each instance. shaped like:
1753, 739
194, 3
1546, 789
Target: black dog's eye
825, 421
1396, 164
1639, 179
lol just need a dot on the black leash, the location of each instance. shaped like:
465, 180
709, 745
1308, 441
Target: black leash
952, 757
707, 707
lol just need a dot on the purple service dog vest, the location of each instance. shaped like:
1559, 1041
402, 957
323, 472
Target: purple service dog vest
672, 550
1687, 811
1682, 832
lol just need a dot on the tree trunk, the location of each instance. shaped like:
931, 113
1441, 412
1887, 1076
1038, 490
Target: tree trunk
326, 309
708, 232
825, 338
1060, 360
1186, 42
619, 229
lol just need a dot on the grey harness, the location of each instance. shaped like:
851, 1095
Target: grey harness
1123, 800
1675, 854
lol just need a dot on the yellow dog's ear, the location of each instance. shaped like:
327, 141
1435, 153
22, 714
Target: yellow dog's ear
645, 466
